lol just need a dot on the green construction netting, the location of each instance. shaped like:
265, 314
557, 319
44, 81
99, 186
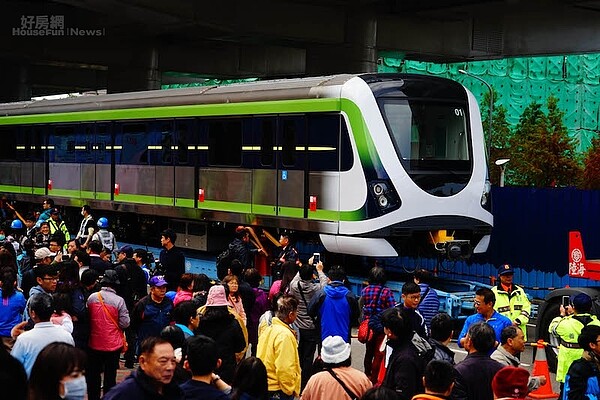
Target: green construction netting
573, 79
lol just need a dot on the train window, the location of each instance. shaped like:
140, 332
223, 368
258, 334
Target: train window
167, 143
62, 143
131, 146
323, 142
103, 144
267, 141
9, 143
225, 142
427, 131
182, 129
39, 143
291, 140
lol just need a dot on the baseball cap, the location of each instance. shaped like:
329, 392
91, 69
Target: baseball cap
55, 211
42, 253
128, 250
505, 269
158, 281
582, 302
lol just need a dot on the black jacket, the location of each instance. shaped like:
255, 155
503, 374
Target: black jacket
230, 340
474, 376
405, 370
133, 286
138, 385
173, 263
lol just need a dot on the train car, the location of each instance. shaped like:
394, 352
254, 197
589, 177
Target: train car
373, 164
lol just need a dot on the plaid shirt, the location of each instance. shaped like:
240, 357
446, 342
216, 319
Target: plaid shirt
369, 296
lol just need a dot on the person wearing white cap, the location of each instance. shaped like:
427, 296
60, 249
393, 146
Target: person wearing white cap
338, 380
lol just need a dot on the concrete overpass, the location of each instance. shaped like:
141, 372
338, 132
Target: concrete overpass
124, 45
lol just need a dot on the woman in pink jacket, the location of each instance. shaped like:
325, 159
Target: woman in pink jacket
108, 318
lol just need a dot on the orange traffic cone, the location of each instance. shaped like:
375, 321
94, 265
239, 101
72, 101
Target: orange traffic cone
540, 367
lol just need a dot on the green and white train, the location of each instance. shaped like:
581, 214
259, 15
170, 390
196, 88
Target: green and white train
374, 164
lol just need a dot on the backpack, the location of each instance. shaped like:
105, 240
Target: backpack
424, 348
224, 262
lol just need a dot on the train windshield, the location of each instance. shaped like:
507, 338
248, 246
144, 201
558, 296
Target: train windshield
432, 141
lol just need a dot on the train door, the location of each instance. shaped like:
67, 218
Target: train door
103, 158
35, 171
291, 167
10, 160
66, 150
86, 158
135, 150
323, 164
162, 157
264, 179
185, 161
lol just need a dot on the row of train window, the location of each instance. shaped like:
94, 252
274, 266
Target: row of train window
315, 141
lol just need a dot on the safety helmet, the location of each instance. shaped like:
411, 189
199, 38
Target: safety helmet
102, 223
16, 224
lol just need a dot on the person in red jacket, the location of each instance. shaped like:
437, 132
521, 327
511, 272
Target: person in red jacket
108, 318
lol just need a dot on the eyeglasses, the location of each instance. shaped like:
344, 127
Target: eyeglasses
50, 279
414, 296
477, 303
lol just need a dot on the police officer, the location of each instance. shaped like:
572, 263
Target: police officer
511, 300
567, 328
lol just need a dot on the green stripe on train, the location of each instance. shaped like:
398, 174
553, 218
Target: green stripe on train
246, 208
209, 110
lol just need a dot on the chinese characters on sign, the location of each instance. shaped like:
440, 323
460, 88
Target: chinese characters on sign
51, 25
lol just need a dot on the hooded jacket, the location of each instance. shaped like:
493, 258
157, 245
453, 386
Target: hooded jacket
308, 289
337, 309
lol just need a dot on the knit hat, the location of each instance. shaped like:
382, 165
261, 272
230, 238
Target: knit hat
216, 297
582, 302
335, 350
511, 382
110, 278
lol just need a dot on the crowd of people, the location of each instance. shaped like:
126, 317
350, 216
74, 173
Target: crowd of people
72, 316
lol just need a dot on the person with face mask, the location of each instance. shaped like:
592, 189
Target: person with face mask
58, 373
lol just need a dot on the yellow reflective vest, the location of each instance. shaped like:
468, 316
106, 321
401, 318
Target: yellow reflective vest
567, 330
514, 305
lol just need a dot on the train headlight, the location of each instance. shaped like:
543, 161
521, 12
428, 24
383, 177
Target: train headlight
485, 196
384, 196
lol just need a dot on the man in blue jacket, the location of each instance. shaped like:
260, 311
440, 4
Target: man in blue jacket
484, 305
335, 306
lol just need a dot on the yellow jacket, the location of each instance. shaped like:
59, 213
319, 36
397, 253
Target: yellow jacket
278, 350
514, 305
567, 329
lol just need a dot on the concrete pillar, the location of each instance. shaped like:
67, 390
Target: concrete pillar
361, 36
14, 81
357, 55
139, 72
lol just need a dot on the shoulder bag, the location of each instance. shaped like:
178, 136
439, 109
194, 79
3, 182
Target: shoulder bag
348, 391
125, 344
364, 332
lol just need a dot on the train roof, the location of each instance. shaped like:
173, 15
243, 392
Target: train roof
281, 89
